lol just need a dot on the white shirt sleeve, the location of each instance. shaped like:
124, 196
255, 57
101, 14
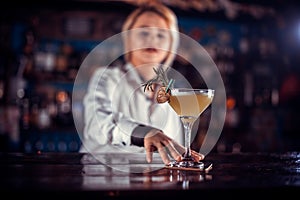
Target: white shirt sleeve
103, 125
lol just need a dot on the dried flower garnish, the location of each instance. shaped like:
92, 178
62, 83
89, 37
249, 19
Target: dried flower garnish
162, 95
164, 92
160, 77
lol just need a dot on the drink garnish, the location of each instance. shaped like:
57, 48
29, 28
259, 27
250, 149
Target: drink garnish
164, 92
169, 85
160, 78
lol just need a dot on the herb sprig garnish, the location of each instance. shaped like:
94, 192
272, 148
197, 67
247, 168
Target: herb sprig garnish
161, 77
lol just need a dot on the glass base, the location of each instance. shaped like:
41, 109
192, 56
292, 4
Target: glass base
187, 163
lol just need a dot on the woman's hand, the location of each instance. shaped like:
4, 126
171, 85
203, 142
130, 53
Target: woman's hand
156, 140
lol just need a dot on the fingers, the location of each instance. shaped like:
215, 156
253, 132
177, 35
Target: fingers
165, 148
161, 150
197, 156
163, 154
149, 152
156, 140
156, 145
172, 150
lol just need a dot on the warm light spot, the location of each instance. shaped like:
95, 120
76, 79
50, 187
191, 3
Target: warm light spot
61, 96
230, 103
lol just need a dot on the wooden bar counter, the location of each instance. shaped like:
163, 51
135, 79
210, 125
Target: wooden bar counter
128, 175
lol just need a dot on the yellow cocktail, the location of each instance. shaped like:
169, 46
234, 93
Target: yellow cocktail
189, 104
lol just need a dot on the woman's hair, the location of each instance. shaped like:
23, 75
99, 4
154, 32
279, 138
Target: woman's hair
171, 20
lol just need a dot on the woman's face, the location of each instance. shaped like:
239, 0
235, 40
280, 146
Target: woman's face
152, 40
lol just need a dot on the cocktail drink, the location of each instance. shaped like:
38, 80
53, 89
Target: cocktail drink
189, 104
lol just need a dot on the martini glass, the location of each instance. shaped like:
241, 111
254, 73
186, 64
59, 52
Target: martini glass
189, 104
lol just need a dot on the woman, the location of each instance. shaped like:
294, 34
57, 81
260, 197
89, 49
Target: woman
118, 110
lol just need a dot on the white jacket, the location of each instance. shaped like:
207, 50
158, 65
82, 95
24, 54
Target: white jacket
115, 104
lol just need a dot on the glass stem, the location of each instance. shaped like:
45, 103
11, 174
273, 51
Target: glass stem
187, 138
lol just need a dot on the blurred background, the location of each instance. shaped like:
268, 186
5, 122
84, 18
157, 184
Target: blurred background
255, 44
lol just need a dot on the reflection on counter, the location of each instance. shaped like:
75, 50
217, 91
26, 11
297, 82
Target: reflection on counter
99, 170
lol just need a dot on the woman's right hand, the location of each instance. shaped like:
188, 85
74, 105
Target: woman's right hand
156, 140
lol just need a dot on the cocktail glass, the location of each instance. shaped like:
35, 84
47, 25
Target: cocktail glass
189, 104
